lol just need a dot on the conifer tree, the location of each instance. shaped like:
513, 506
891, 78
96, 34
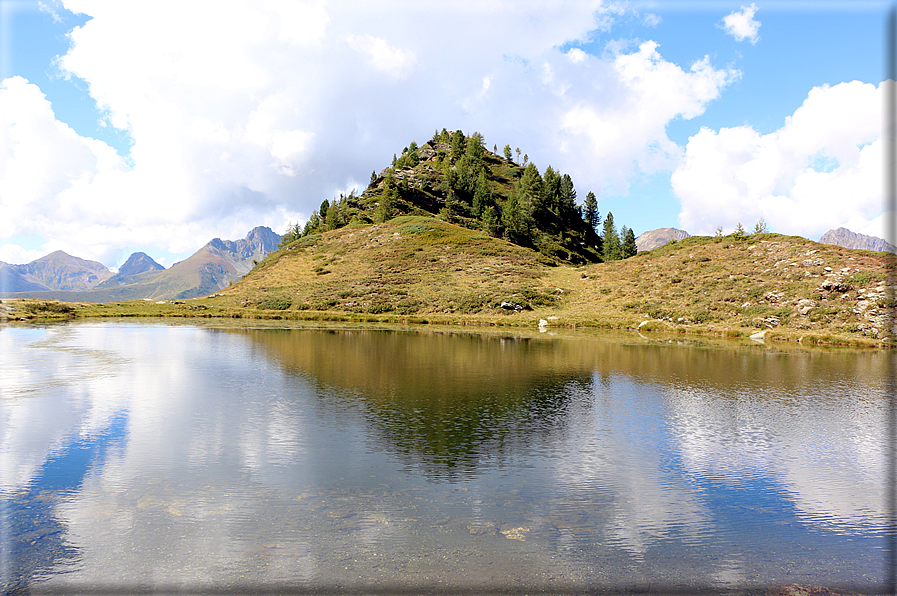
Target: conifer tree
531, 181
480, 194
458, 144
322, 211
629, 247
490, 223
388, 198
611, 239
312, 225
517, 217
447, 213
294, 232
333, 220
590, 212
507, 152
474, 148
567, 197
551, 190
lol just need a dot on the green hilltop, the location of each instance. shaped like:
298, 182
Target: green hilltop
452, 233
456, 179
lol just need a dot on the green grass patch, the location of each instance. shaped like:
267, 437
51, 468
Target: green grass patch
864, 278
275, 304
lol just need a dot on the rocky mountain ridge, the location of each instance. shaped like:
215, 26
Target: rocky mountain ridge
55, 271
60, 276
656, 238
847, 239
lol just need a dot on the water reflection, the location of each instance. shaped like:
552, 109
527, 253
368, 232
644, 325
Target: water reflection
449, 403
175, 457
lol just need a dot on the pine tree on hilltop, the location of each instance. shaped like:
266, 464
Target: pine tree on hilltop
459, 144
531, 182
590, 212
567, 198
551, 191
612, 248
480, 195
629, 247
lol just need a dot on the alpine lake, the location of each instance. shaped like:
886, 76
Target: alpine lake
213, 457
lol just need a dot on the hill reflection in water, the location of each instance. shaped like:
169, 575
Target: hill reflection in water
445, 401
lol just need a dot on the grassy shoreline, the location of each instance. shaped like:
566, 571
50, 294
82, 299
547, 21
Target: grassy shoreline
26, 311
422, 271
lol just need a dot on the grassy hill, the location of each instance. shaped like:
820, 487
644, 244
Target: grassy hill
455, 178
410, 265
414, 269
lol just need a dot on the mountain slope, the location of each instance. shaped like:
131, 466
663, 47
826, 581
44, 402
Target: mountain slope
846, 238
61, 271
13, 281
211, 268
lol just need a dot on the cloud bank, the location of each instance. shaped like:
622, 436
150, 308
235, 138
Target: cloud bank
821, 170
254, 115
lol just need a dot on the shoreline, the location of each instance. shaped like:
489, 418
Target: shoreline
22, 311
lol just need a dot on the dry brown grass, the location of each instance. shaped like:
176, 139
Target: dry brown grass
737, 287
422, 270
408, 266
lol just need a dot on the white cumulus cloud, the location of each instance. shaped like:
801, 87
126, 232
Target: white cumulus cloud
254, 114
741, 25
620, 126
821, 170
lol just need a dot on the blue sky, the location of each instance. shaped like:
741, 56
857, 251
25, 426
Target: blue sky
127, 127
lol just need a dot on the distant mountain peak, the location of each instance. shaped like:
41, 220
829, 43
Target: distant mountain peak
61, 271
656, 238
847, 239
138, 262
263, 238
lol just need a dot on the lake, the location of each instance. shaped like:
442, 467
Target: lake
188, 457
